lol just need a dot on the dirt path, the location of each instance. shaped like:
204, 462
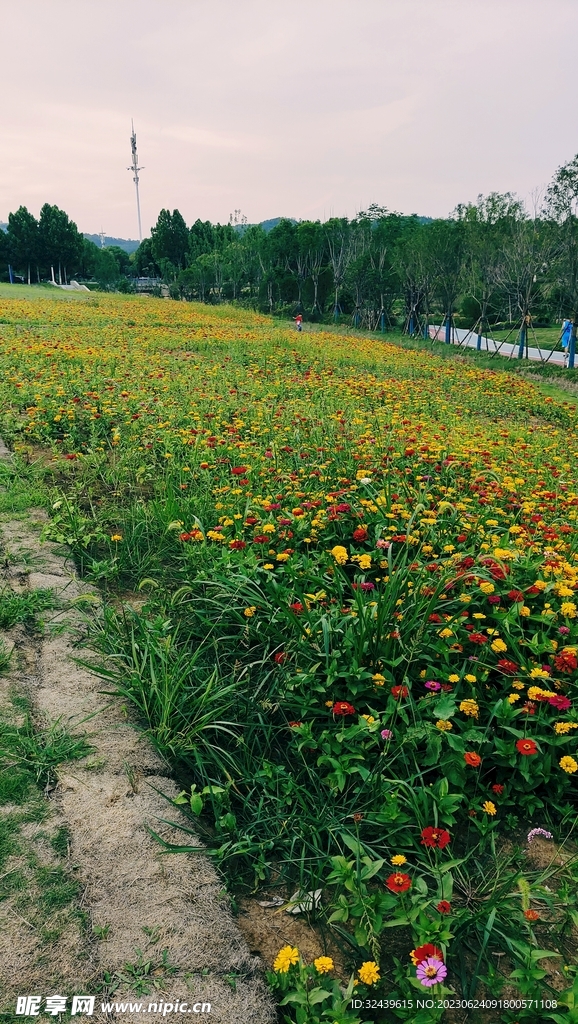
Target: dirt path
137, 905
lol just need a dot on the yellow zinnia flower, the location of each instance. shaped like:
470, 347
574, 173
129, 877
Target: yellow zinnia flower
369, 972
340, 554
323, 964
285, 959
470, 707
561, 728
568, 764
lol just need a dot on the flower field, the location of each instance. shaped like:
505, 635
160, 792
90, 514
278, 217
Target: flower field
356, 634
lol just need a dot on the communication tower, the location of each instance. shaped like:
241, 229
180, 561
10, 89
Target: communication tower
134, 167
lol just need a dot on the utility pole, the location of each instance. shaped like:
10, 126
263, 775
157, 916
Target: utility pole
134, 167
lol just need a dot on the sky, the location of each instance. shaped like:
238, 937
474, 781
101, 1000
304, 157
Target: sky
296, 108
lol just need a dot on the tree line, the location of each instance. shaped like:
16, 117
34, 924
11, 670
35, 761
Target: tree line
490, 262
52, 248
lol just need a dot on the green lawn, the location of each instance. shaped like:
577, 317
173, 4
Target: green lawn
38, 291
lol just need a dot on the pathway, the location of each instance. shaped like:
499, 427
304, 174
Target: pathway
506, 349
134, 897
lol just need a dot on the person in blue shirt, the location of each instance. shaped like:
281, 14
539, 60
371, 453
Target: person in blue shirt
565, 338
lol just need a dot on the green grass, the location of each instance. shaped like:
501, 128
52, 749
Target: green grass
39, 291
8, 841
545, 337
39, 752
23, 608
57, 890
60, 841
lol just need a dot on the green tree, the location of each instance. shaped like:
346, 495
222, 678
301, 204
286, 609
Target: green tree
145, 263
60, 243
170, 242
23, 240
311, 256
562, 207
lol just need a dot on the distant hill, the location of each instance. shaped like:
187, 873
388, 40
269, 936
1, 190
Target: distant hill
128, 244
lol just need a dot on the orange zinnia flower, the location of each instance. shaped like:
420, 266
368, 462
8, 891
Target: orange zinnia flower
473, 759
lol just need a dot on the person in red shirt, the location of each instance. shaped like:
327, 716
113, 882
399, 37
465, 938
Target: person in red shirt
298, 321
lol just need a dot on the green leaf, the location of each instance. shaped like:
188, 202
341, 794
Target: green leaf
445, 708
539, 954
317, 995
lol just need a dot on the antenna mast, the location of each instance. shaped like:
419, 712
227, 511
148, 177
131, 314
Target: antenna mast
134, 167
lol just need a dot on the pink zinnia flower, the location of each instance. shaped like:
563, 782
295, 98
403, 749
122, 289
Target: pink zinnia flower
386, 734
432, 685
431, 971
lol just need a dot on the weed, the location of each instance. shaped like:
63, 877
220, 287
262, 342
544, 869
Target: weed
8, 841
142, 976
60, 841
5, 657
39, 753
57, 890
23, 608
11, 882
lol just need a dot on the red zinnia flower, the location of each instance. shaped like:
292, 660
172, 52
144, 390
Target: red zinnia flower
444, 907
531, 915
342, 707
398, 882
296, 607
428, 949
280, 657
237, 545
478, 638
560, 702
399, 691
509, 668
497, 788
239, 470
473, 759
526, 747
431, 836
566, 662
360, 533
